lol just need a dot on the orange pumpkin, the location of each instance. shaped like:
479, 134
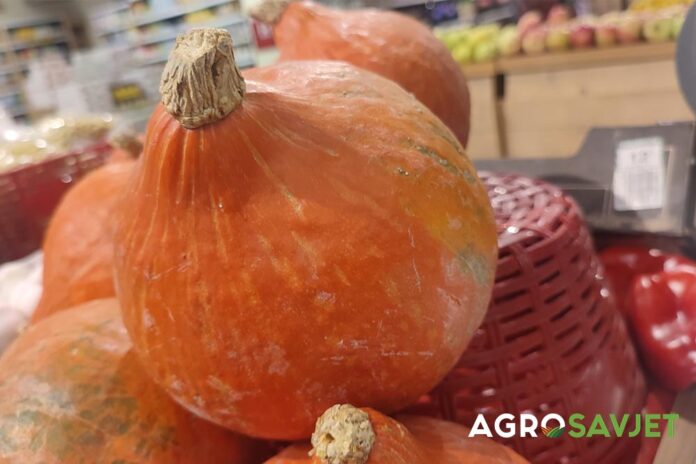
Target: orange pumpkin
348, 435
317, 237
72, 391
78, 245
390, 44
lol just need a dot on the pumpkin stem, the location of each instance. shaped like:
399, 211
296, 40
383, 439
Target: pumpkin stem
201, 83
343, 435
269, 11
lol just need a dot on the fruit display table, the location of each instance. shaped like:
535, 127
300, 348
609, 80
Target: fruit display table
547, 103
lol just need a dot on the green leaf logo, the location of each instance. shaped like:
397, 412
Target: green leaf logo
553, 432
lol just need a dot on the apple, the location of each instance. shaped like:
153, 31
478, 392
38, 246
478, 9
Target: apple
558, 14
534, 41
629, 28
454, 37
677, 23
528, 21
589, 20
605, 35
657, 29
581, 35
508, 42
484, 51
558, 38
462, 53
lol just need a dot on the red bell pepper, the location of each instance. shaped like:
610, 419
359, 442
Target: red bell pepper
657, 294
623, 263
662, 311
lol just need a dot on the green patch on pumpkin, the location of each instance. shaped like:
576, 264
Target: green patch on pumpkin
473, 262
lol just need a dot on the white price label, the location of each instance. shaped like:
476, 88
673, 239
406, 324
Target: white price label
639, 174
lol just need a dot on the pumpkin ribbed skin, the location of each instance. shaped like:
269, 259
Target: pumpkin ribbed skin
72, 391
416, 440
78, 246
327, 241
390, 44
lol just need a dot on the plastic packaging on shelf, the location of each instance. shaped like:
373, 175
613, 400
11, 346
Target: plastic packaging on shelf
20, 290
20, 145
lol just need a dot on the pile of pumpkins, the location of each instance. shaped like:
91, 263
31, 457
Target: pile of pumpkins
298, 252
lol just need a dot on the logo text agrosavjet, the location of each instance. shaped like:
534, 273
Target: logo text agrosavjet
578, 425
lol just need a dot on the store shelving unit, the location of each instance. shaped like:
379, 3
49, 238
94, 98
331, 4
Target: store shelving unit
150, 35
515, 114
20, 42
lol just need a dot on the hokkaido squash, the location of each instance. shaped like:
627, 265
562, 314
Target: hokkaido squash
348, 435
72, 391
310, 236
78, 245
387, 43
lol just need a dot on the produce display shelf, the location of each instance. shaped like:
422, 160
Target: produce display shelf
223, 21
42, 42
171, 35
112, 30
162, 59
573, 59
153, 61
157, 16
110, 9
30, 22
150, 39
9, 91
13, 68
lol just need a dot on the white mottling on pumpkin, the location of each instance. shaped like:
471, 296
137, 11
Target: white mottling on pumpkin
355, 344
231, 355
417, 275
410, 238
148, 322
175, 385
199, 412
121, 330
276, 357
396, 354
454, 223
200, 402
324, 298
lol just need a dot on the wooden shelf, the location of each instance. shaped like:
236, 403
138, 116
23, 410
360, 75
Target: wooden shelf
478, 70
573, 59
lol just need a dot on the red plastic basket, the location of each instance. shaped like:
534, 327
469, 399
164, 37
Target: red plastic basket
29, 194
552, 340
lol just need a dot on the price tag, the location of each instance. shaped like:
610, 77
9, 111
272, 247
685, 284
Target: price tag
639, 174
127, 94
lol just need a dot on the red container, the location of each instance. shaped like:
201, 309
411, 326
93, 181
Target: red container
29, 194
552, 340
